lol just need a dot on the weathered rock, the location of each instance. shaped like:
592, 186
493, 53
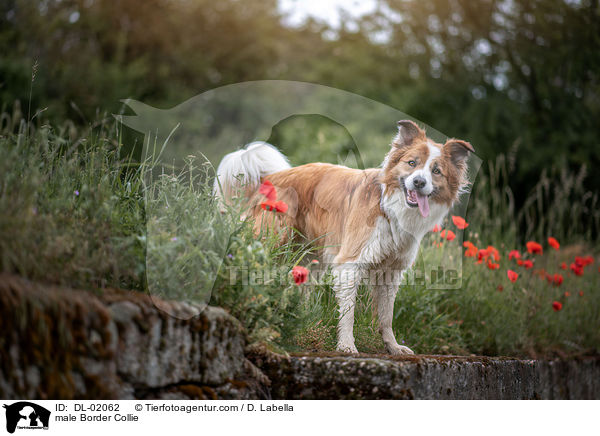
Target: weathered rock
64, 343
333, 376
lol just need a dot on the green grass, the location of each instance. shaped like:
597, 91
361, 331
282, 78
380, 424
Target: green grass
500, 317
71, 210
75, 210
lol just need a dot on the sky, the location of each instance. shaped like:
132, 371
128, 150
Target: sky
297, 11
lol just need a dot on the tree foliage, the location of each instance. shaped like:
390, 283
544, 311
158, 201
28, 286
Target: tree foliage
513, 76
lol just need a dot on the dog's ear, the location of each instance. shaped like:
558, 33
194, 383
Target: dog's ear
458, 151
408, 131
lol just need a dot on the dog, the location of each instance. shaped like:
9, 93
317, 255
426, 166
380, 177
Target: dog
370, 220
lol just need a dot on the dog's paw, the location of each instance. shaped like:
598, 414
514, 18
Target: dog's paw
345, 348
398, 350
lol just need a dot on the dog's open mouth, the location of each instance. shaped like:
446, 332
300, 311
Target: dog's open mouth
416, 199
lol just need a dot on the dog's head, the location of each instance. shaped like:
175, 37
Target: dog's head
424, 170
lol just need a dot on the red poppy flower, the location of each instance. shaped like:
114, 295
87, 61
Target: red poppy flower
500, 288
577, 269
534, 248
584, 261
563, 265
493, 252
300, 274
520, 262
491, 265
567, 294
268, 190
556, 305
514, 254
482, 254
274, 206
528, 264
553, 243
512, 276
471, 250
281, 206
557, 279
459, 222
581, 293
448, 235
436, 228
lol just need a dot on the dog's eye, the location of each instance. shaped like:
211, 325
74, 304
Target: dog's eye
436, 170
412, 163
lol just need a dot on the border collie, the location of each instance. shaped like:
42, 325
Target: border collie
368, 220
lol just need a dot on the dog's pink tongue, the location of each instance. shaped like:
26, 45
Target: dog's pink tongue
423, 203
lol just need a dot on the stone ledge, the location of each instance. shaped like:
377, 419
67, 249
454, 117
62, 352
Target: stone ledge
60, 343
336, 376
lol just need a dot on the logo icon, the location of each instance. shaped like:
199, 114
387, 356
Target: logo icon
26, 415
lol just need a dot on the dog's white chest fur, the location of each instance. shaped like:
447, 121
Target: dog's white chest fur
396, 236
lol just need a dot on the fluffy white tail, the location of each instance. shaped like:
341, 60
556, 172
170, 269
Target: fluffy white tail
242, 170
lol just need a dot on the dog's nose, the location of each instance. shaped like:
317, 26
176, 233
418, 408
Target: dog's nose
419, 182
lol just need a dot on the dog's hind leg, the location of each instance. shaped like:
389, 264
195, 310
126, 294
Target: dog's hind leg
346, 281
384, 297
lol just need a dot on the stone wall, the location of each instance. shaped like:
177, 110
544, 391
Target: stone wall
429, 377
64, 343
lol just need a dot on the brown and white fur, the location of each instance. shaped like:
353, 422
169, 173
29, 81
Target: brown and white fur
368, 220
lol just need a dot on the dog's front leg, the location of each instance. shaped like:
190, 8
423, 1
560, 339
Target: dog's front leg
384, 297
346, 281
